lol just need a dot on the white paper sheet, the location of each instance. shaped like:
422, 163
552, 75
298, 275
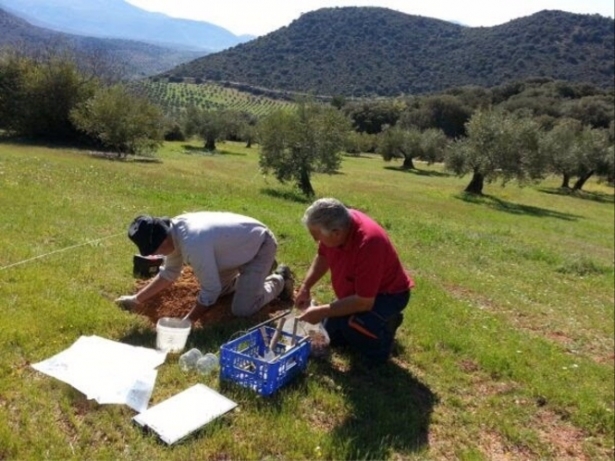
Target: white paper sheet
107, 371
184, 413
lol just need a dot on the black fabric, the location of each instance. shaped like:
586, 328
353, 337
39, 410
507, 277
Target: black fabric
148, 233
371, 333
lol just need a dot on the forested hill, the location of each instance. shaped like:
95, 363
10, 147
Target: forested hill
130, 58
120, 19
367, 51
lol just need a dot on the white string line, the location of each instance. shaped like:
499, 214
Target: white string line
59, 251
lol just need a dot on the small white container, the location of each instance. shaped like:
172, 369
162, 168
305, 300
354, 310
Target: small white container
172, 334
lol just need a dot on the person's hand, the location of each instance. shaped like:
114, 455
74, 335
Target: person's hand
302, 298
313, 314
127, 302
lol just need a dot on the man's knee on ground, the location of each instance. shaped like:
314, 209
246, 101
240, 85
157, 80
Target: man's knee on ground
245, 311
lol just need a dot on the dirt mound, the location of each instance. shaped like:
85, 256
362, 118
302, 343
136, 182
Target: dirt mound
180, 298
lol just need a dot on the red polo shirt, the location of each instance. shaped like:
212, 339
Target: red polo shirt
367, 264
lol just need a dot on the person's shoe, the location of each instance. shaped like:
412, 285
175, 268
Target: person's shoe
287, 293
273, 266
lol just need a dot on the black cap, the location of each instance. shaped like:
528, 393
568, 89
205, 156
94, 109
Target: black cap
148, 233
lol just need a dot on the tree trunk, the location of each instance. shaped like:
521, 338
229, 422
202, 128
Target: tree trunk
565, 181
210, 144
249, 143
582, 180
305, 185
476, 184
408, 164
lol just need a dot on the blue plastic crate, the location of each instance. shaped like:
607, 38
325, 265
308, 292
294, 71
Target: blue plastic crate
241, 361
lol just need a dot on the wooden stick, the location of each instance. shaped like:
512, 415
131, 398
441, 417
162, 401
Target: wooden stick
294, 338
264, 334
276, 335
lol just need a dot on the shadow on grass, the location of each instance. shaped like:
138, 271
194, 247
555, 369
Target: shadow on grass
201, 151
580, 194
25, 141
416, 172
140, 336
390, 409
83, 149
364, 155
293, 196
207, 338
113, 157
514, 208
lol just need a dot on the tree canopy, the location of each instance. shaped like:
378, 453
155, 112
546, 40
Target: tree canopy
295, 145
499, 146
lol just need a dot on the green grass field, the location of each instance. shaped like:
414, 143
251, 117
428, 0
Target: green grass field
505, 352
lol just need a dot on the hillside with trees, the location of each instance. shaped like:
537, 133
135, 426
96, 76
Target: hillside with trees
519, 131
368, 51
128, 58
120, 19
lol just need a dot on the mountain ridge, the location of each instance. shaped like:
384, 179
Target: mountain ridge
120, 19
136, 59
371, 51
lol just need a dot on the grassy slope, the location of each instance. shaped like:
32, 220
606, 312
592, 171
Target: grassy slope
506, 346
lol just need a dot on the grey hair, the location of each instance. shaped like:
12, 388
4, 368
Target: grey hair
328, 214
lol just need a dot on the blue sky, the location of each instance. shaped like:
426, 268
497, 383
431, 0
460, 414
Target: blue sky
259, 17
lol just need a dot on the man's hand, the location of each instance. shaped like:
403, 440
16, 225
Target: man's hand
314, 314
127, 302
302, 298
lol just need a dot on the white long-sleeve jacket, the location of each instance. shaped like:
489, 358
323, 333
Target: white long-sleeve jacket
212, 243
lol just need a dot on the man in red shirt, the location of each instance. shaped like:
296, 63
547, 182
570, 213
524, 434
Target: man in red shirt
369, 281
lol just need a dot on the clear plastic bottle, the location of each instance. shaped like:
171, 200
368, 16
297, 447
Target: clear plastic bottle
189, 359
208, 363
319, 337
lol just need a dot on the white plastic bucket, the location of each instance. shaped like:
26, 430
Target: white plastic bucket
172, 334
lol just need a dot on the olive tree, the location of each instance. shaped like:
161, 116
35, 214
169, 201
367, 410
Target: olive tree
594, 155
429, 145
445, 112
13, 69
560, 145
205, 124
216, 125
499, 146
397, 143
297, 144
357, 143
577, 151
121, 121
37, 96
434, 144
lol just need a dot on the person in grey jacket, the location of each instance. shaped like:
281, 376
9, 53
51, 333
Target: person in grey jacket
228, 253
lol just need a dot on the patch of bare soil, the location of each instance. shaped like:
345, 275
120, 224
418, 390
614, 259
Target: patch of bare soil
180, 298
595, 349
562, 439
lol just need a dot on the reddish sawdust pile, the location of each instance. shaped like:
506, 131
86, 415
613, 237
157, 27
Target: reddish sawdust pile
178, 300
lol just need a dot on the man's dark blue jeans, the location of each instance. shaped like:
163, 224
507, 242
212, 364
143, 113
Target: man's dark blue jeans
371, 333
